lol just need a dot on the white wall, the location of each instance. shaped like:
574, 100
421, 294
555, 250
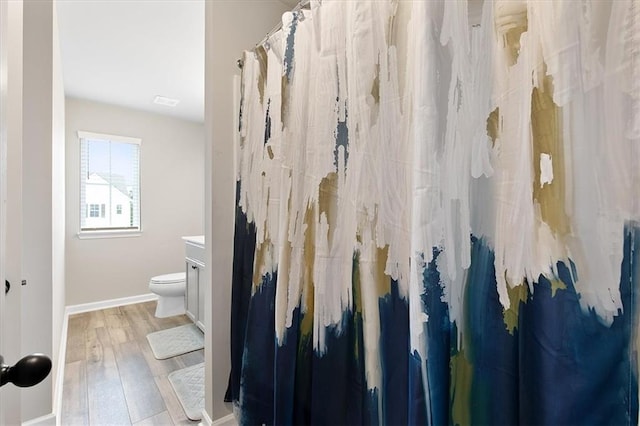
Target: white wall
172, 202
231, 26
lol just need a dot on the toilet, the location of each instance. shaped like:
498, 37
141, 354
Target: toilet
170, 289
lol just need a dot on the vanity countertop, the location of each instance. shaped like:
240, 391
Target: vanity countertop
197, 240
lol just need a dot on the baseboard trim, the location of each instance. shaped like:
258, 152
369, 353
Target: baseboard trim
112, 303
46, 420
206, 420
229, 420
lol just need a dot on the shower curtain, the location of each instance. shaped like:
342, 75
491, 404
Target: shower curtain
438, 215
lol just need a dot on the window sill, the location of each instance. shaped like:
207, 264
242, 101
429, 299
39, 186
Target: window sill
89, 235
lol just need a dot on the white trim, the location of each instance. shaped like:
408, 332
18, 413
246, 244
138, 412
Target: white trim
59, 379
104, 304
206, 420
46, 420
228, 420
103, 136
108, 233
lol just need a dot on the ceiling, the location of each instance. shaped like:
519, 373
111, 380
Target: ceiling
128, 52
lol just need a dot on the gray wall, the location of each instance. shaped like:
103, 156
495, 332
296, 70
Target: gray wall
42, 181
231, 26
172, 202
11, 326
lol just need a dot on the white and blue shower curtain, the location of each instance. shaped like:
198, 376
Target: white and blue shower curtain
438, 215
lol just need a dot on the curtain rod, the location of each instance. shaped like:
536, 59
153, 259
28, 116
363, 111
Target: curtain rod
278, 27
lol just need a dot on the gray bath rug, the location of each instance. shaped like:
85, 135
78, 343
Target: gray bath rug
175, 341
188, 384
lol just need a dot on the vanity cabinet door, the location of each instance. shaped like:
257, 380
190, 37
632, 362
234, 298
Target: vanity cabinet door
192, 290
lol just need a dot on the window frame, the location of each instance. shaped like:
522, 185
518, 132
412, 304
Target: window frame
89, 233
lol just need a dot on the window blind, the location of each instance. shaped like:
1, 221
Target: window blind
110, 179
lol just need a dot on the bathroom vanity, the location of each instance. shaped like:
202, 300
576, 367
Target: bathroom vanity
195, 293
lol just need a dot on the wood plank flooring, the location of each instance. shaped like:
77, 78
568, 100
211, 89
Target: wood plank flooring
111, 376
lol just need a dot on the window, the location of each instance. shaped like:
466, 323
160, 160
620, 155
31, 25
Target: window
109, 184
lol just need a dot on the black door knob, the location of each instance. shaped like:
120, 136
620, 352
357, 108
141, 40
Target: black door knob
29, 371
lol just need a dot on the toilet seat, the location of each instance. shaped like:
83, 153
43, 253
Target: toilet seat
169, 278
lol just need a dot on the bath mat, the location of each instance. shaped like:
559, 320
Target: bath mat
175, 341
188, 383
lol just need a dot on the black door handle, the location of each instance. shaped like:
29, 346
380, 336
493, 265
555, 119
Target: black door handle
7, 286
29, 371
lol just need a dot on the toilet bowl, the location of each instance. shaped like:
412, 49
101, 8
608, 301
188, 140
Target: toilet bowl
170, 289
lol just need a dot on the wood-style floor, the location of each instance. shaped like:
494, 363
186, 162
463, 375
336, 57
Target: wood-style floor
111, 376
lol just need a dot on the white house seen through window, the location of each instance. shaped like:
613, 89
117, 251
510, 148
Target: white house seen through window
109, 183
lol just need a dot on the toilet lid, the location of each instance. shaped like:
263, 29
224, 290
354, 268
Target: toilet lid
169, 278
